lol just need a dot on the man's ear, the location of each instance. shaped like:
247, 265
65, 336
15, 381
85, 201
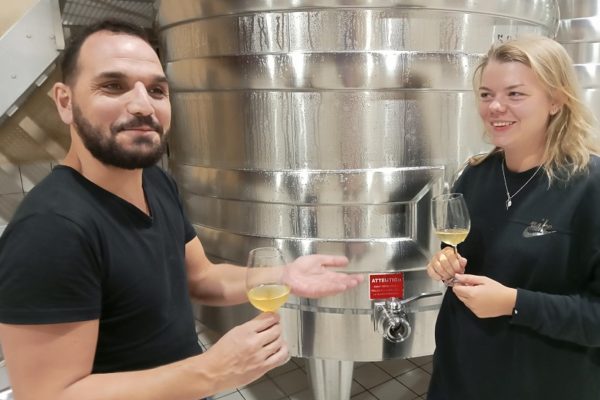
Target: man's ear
63, 96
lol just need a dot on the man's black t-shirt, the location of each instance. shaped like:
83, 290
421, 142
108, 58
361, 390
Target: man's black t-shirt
76, 252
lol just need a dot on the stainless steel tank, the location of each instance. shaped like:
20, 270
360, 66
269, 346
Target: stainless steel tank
579, 33
326, 126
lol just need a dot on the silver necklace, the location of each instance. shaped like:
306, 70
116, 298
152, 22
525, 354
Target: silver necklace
509, 197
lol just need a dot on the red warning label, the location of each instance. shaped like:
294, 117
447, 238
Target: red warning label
383, 286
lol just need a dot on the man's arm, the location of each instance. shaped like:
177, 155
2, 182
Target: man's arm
221, 284
55, 362
225, 284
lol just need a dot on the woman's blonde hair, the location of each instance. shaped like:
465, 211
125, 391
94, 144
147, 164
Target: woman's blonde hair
570, 134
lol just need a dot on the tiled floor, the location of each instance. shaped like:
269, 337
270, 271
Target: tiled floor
386, 380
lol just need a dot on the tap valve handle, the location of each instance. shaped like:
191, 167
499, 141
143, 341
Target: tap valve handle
420, 296
390, 317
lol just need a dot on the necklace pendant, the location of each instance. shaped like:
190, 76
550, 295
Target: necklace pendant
508, 203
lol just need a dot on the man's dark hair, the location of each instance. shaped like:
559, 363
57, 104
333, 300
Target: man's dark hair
71, 53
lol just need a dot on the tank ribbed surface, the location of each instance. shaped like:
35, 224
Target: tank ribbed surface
326, 126
579, 33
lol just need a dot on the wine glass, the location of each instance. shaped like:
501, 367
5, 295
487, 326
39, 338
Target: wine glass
266, 290
451, 221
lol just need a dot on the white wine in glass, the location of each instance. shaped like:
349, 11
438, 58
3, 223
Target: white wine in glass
452, 236
451, 221
266, 290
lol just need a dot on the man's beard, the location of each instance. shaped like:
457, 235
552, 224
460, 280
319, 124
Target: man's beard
107, 150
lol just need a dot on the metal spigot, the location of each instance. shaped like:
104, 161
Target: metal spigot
390, 316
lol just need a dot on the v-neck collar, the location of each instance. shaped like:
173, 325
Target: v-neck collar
103, 192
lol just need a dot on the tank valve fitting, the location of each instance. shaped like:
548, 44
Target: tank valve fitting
390, 317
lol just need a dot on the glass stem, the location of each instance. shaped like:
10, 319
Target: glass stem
450, 281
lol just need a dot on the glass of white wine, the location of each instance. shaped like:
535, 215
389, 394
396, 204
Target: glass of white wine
451, 221
266, 290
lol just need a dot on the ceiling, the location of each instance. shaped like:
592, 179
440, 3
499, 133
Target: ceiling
85, 12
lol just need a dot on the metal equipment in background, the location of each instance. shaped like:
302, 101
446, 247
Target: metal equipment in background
322, 126
579, 33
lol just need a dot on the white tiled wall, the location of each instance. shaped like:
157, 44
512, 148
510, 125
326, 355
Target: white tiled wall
15, 181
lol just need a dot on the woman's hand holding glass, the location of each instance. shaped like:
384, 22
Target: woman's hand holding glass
445, 264
451, 224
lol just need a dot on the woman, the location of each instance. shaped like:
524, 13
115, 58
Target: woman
523, 319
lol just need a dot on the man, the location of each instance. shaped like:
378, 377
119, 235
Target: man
98, 263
